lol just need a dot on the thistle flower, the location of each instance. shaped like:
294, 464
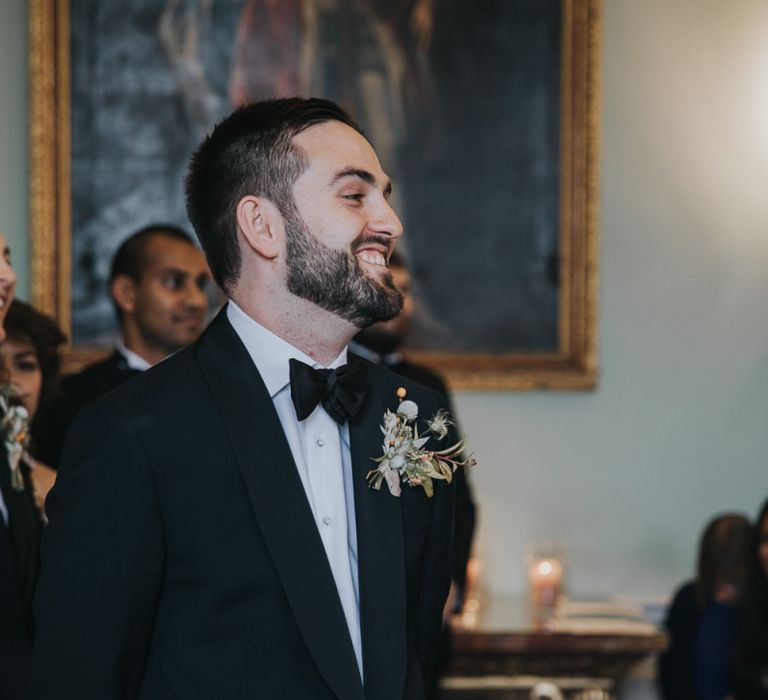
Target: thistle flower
439, 424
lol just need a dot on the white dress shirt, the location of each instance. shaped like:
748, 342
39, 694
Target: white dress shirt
133, 360
322, 455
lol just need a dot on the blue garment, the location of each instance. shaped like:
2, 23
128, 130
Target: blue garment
714, 642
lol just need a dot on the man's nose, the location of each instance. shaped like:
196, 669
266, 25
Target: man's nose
196, 297
388, 222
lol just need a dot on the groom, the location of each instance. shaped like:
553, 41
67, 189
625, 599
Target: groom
211, 533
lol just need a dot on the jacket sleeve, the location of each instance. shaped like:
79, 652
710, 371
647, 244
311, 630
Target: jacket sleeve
102, 567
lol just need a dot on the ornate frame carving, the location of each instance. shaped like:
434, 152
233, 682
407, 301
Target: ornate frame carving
573, 367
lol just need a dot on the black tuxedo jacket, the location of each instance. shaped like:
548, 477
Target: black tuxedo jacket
52, 421
465, 509
19, 561
182, 560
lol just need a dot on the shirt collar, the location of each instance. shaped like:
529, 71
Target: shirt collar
133, 360
269, 352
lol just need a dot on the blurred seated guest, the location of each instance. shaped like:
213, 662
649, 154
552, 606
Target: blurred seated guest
20, 525
32, 361
751, 658
158, 286
382, 343
701, 619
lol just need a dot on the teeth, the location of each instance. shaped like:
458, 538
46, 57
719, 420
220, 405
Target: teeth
373, 258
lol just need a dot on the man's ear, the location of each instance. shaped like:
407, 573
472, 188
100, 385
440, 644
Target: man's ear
261, 224
124, 293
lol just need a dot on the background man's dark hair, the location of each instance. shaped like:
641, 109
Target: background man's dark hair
397, 260
249, 153
131, 257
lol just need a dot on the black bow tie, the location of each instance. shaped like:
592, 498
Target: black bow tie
341, 391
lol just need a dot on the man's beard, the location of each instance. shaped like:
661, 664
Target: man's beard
333, 279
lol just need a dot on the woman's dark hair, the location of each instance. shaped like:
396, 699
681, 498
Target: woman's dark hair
251, 152
24, 323
726, 555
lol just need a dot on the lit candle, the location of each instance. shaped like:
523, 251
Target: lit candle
545, 577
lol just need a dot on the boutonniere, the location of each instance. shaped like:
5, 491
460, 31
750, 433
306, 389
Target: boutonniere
405, 460
14, 428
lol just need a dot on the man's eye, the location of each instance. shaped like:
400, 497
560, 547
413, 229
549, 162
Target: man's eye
354, 196
173, 282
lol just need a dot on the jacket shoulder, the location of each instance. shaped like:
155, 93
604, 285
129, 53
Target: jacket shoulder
387, 383
168, 381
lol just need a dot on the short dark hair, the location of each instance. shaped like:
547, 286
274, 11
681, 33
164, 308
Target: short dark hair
26, 324
131, 257
251, 152
397, 260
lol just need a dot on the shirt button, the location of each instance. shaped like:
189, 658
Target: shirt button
327, 520
320, 442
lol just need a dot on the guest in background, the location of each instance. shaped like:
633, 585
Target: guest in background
158, 285
382, 343
20, 529
751, 657
31, 357
701, 619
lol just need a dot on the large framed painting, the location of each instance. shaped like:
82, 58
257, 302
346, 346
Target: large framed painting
485, 114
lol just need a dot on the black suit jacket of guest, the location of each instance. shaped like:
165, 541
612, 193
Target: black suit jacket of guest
182, 559
19, 561
50, 425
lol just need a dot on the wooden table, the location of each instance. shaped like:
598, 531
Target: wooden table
501, 652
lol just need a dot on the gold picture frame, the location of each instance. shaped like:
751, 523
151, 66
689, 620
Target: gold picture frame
574, 366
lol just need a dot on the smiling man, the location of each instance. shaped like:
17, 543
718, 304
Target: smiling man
158, 285
212, 533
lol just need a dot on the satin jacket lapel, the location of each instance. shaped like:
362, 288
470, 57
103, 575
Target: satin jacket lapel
279, 502
381, 562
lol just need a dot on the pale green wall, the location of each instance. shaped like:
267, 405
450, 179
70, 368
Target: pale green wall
625, 476
678, 428
13, 134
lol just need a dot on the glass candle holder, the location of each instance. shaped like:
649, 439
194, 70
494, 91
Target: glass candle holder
545, 568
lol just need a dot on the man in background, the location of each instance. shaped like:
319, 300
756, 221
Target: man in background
158, 286
382, 343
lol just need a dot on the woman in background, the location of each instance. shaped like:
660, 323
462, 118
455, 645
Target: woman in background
701, 619
31, 357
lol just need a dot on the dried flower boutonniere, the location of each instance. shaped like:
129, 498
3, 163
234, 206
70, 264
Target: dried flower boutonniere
405, 460
14, 428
